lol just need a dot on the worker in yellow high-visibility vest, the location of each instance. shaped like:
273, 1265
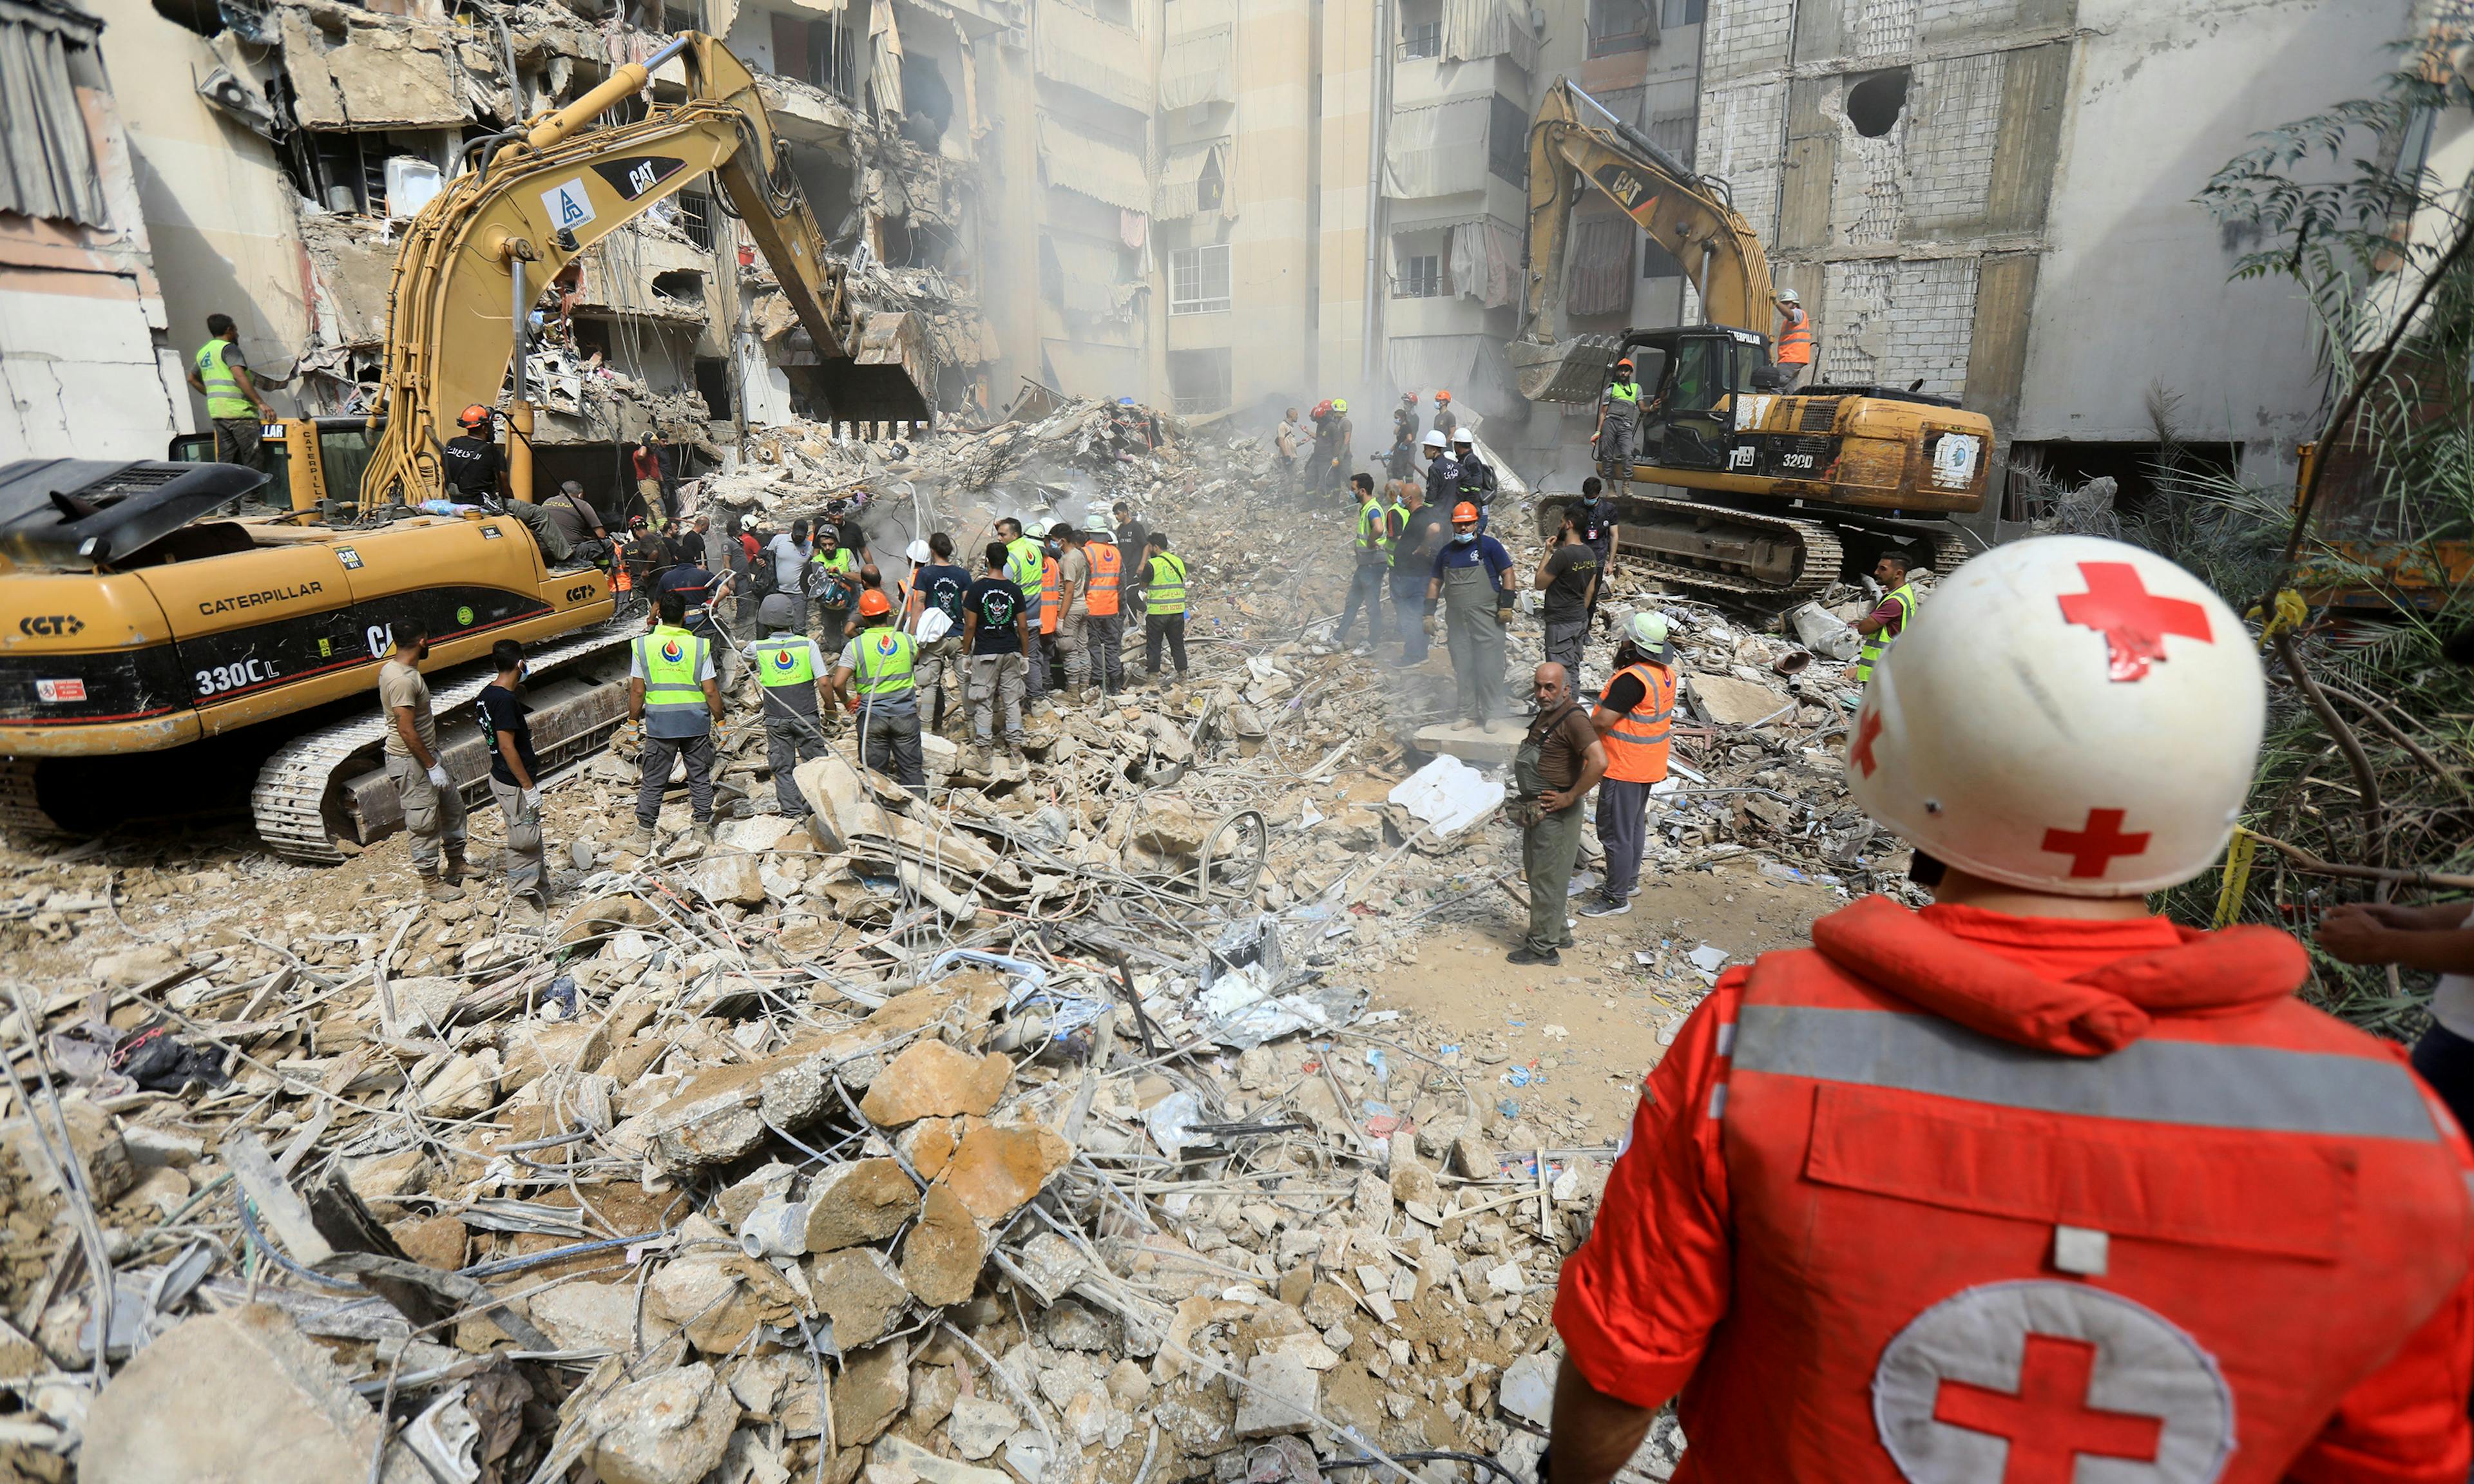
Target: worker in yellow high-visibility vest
220, 374
1372, 553
1163, 604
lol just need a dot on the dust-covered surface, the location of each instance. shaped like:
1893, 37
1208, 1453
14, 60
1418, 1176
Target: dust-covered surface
1157, 1108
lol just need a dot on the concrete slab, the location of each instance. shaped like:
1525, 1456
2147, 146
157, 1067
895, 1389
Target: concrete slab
1480, 747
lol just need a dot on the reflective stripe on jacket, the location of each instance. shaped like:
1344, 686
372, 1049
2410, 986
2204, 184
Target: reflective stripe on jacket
884, 658
1022, 563
672, 659
1107, 570
1167, 589
224, 396
1051, 594
1638, 745
1795, 342
1876, 645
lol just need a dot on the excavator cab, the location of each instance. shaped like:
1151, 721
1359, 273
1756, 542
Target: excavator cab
1691, 380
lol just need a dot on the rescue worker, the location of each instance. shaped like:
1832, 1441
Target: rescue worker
1372, 553
1107, 626
2435, 940
1619, 417
1163, 606
1290, 438
1473, 476
701, 593
651, 477
1594, 517
937, 587
1073, 611
1443, 473
1023, 560
1470, 574
996, 635
832, 581
1334, 474
1446, 419
674, 703
873, 678
1045, 668
220, 374
2032, 1185
1793, 343
1318, 463
1404, 437
433, 805
1559, 763
472, 464
1423, 531
586, 534
1889, 618
1636, 717
1131, 534
515, 775
1569, 576
791, 672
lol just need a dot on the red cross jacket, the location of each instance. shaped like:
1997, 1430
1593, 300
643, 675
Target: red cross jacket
1954, 1196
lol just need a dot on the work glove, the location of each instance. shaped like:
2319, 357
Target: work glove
530, 800
438, 777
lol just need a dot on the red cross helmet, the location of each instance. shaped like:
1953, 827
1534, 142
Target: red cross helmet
2064, 714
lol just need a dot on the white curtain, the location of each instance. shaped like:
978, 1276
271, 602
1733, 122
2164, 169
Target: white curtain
1437, 150
1180, 187
47, 167
1485, 262
1475, 29
1097, 168
885, 57
1199, 68
1108, 62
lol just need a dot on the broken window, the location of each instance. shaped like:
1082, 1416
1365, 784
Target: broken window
1198, 280
678, 18
1876, 100
1200, 381
1682, 12
823, 53
1621, 26
681, 285
927, 103
1507, 141
712, 384
202, 16
696, 216
1421, 29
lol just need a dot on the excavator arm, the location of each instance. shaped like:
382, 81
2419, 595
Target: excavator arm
477, 257
1574, 140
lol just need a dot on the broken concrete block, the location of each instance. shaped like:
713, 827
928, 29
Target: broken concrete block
1282, 1393
979, 1427
1129, 1383
541, 1047
94, 1136
670, 1428
1169, 827
1528, 1388
1484, 746
702, 1293
239, 1395
928, 1146
1072, 1327
938, 758
871, 1392
862, 1201
942, 1255
1733, 702
932, 1079
861, 1291
722, 1113
584, 1315
604, 914
732, 878
901, 1453
998, 1168
1413, 1180
1472, 1159
132, 966
467, 1087
754, 833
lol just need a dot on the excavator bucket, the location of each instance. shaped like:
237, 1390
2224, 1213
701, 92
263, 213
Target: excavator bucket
886, 380
1574, 371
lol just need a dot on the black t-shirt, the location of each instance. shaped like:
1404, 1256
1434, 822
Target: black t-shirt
1623, 693
1569, 571
996, 600
691, 543
472, 466
942, 587
501, 711
1596, 525
1427, 531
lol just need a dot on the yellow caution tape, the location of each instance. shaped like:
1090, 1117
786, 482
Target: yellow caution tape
2237, 876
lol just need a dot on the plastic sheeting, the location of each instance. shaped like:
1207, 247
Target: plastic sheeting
1085, 52
1199, 68
1092, 167
1475, 29
47, 166
1599, 277
1438, 149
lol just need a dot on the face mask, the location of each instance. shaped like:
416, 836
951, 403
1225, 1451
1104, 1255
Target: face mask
1464, 538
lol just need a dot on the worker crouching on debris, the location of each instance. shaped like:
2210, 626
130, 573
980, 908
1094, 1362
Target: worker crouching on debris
1470, 574
790, 671
1557, 763
1636, 717
2032, 1184
873, 678
673, 697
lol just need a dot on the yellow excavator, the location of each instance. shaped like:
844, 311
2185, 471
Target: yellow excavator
140, 613
1783, 492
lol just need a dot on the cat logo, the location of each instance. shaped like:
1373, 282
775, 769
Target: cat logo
50, 626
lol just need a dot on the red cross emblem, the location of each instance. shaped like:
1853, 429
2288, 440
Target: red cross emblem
1866, 730
2133, 620
2024, 1382
2048, 1420
2092, 850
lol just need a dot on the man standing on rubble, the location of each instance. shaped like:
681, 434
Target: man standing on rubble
833, 579
699, 593
1594, 517
937, 586
790, 552
1474, 476
1074, 621
1471, 575
433, 808
1890, 617
873, 678
996, 631
1422, 532
645, 458
515, 776
1636, 717
790, 671
220, 374
1443, 473
1104, 646
1892, 1208
1568, 575
1559, 763
1288, 439
675, 702
1045, 667
1446, 419
1618, 414
1370, 551
1163, 606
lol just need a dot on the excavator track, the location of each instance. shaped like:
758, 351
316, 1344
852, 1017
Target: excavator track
1817, 568
297, 800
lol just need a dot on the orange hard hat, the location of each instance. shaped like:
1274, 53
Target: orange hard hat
872, 605
473, 415
1442, 397
1624, 365
1463, 511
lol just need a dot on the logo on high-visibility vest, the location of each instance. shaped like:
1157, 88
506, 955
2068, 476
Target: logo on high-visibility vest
674, 651
885, 644
782, 660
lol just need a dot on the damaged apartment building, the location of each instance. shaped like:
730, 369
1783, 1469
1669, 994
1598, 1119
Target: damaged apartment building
275, 151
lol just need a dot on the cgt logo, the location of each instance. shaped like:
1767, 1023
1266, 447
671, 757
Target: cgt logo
50, 626
581, 592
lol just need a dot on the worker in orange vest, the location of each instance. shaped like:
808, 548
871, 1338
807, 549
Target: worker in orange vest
1794, 340
1106, 627
1046, 668
2031, 1186
1635, 718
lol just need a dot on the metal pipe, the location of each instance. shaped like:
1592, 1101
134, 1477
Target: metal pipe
626, 81
519, 412
1378, 115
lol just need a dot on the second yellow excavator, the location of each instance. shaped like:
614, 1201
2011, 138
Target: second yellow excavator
1783, 493
142, 621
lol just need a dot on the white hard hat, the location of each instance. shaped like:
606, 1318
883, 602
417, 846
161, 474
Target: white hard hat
917, 551
2065, 714
1035, 528
1789, 297
1463, 436
1433, 438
